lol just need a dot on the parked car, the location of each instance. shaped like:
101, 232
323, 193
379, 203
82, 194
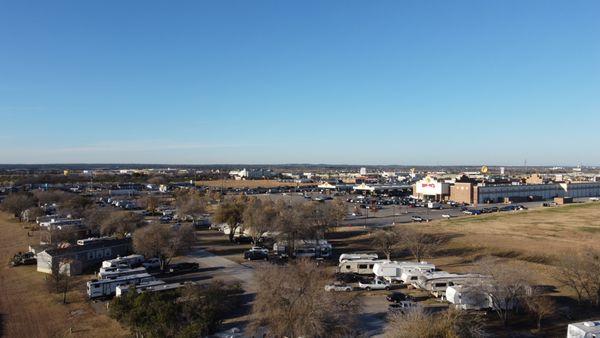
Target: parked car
24, 258
401, 306
183, 267
152, 264
348, 277
397, 297
375, 284
337, 286
447, 216
417, 219
256, 253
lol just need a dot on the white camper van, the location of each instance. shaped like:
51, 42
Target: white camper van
357, 255
359, 266
393, 271
107, 287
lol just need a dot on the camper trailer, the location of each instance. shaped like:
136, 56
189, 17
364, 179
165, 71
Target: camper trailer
305, 248
123, 289
357, 255
393, 271
120, 273
131, 261
467, 297
107, 287
437, 282
359, 266
589, 329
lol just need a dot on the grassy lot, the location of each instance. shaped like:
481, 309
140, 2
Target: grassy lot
26, 307
250, 184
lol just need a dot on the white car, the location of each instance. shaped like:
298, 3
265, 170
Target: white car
446, 216
338, 287
260, 249
375, 284
594, 199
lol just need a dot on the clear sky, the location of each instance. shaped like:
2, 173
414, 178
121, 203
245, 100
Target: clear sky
358, 82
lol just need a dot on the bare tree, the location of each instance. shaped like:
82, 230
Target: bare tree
505, 285
416, 322
580, 271
163, 242
386, 241
541, 307
232, 213
149, 203
121, 223
418, 243
259, 217
291, 301
17, 203
60, 281
190, 204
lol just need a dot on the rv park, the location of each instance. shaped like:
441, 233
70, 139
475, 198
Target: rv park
444, 255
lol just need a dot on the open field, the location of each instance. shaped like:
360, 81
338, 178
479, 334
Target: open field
28, 310
250, 184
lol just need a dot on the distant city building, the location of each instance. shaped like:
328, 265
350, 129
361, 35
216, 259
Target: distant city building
363, 171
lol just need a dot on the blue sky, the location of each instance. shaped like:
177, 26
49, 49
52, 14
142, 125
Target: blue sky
358, 82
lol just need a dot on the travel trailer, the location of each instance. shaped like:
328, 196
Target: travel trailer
467, 297
393, 271
438, 281
359, 266
107, 287
131, 261
357, 255
120, 272
589, 329
305, 248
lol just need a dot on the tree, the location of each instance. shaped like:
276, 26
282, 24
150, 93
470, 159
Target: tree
31, 214
75, 205
163, 242
317, 218
386, 241
339, 209
505, 285
259, 217
191, 311
16, 203
291, 301
149, 203
580, 271
232, 213
59, 281
418, 243
541, 307
121, 223
190, 204
449, 324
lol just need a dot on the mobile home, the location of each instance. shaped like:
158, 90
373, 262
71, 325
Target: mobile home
589, 329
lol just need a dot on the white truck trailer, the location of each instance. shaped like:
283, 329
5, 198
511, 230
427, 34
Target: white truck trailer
393, 271
107, 287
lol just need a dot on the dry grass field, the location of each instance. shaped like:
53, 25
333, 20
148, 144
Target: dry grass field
250, 184
27, 309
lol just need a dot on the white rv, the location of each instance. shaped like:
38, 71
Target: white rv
393, 271
355, 256
359, 266
467, 297
131, 261
120, 273
589, 329
438, 281
107, 287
